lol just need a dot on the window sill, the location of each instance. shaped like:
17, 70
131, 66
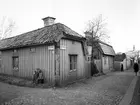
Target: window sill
15, 69
72, 70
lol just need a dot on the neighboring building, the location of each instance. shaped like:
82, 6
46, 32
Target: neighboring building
103, 55
134, 54
122, 60
56, 49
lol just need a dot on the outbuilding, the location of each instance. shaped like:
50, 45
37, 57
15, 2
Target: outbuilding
103, 54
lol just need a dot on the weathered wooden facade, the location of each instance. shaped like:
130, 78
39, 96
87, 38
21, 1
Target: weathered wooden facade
56, 49
103, 54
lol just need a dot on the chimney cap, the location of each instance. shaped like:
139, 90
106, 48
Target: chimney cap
48, 18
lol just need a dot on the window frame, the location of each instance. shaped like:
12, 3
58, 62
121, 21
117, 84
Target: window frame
73, 62
14, 65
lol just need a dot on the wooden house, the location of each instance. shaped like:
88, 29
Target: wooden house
103, 55
122, 60
55, 48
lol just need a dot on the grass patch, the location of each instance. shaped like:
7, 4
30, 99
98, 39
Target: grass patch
19, 81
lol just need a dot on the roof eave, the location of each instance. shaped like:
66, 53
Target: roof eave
75, 38
30, 45
109, 55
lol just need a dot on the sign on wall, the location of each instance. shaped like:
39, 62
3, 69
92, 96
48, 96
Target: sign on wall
50, 47
63, 47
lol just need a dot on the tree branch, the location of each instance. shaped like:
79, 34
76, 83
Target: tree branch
6, 27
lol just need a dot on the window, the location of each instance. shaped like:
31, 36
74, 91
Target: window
32, 49
73, 62
15, 62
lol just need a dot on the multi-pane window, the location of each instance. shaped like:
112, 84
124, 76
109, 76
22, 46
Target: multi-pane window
15, 62
73, 62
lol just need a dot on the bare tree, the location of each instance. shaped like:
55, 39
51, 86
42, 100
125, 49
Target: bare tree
96, 30
6, 27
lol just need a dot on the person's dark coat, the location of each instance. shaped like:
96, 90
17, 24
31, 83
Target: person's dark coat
136, 67
121, 67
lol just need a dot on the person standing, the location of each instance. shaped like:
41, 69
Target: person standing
136, 68
121, 67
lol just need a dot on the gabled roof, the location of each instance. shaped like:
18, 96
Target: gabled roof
103, 47
107, 49
47, 34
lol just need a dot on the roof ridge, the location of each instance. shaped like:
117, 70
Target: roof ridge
30, 31
43, 35
104, 43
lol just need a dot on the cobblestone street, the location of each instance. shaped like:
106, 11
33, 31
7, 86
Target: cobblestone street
103, 90
136, 95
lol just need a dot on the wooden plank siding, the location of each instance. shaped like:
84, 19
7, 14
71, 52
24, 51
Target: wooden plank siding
109, 65
28, 61
71, 47
6, 63
45, 59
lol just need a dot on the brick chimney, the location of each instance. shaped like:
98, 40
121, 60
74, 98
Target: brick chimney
87, 34
48, 21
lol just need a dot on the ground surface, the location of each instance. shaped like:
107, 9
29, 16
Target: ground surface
104, 90
136, 95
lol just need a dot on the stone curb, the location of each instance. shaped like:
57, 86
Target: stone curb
129, 94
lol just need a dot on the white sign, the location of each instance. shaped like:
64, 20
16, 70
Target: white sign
63, 47
50, 47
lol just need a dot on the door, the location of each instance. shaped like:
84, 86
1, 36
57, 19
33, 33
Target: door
15, 64
73, 68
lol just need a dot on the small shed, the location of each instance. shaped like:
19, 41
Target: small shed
103, 55
122, 60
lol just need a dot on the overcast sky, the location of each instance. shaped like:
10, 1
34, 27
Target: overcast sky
122, 17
